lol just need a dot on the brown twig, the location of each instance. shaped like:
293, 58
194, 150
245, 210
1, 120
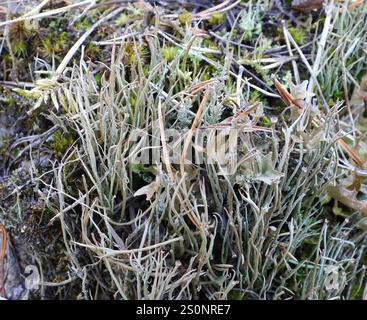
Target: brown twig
2, 258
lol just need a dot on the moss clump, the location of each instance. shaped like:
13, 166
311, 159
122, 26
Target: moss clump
11, 101
169, 53
84, 24
98, 78
61, 142
19, 48
185, 18
93, 52
122, 20
217, 18
132, 53
147, 173
298, 35
54, 45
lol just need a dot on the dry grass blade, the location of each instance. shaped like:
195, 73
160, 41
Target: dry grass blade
29, 16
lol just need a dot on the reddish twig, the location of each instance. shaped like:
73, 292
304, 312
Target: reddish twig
2, 258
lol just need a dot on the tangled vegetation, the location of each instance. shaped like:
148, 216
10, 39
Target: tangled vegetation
85, 86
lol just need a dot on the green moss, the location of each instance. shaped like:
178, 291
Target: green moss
185, 18
217, 18
19, 48
259, 70
356, 292
83, 24
147, 173
27, 93
235, 295
133, 52
299, 35
92, 51
4, 143
61, 142
11, 101
339, 95
265, 121
184, 75
98, 78
254, 97
132, 101
122, 20
54, 44
169, 53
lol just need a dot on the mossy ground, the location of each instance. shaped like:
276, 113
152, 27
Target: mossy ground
271, 231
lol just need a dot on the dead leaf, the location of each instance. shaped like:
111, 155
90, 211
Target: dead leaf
149, 190
263, 170
286, 96
307, 5
300, 92
347, 197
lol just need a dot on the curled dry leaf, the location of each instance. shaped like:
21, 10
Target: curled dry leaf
300, 92
347, 197
149, 190
261, 168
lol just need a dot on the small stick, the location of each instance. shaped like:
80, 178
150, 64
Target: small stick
2, 258
44, 14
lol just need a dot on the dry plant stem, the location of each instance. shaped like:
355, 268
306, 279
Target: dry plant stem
110, 252
36, 9
322, 43
8, 42
187, 142
207, 13
294, 63
45, 14
309, 68
164, 143
2, 258
77, 44
17, 84
192, 130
